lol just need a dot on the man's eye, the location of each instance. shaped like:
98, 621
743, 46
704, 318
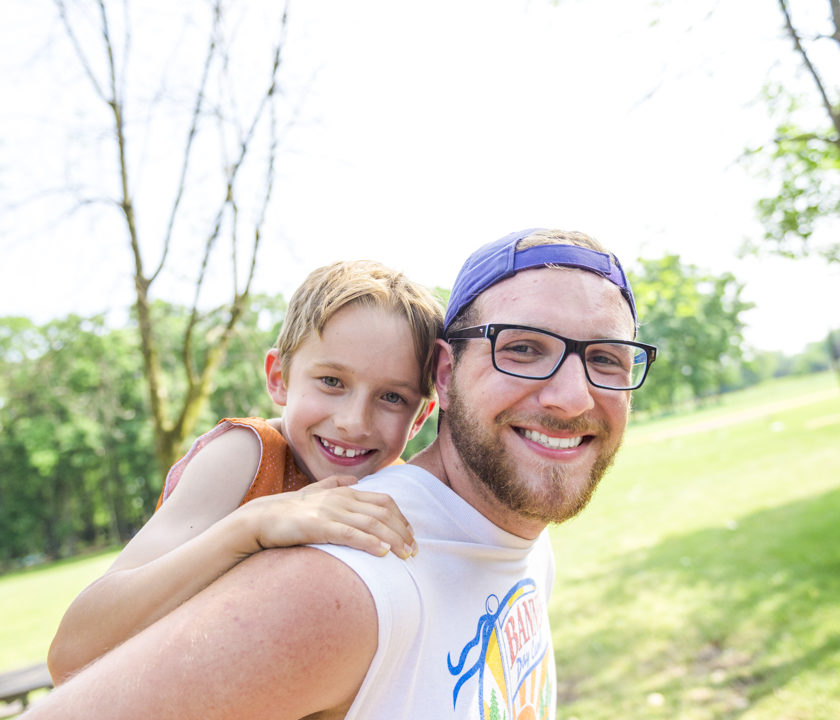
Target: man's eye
606, 360
520, 350
392, 397
331, 381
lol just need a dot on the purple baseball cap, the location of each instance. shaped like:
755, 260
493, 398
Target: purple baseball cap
499, 260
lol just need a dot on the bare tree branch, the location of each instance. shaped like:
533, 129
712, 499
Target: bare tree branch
77, 47
247, 138
198, 383
191, 134
833, 113
244, 145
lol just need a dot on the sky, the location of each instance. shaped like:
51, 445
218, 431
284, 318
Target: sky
423, 130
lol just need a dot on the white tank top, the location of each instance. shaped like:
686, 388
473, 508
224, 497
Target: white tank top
463, 625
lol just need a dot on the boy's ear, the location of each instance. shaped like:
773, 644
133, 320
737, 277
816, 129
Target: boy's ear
422, 416
444, 362
274, 382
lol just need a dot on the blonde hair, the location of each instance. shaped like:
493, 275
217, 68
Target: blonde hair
369, 284
561, 237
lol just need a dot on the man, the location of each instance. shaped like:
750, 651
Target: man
534, 404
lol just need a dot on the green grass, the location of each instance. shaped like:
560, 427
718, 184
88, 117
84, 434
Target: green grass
32, 602
702, 582
704, 579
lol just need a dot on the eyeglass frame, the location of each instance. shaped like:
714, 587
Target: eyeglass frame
490, 332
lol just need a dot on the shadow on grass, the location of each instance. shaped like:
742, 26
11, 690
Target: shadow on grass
706, 624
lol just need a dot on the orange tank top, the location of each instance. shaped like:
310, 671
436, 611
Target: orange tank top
277, 471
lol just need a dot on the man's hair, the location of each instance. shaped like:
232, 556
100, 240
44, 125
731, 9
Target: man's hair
368, 284
469, 315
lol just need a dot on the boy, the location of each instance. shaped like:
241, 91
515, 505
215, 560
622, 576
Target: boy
352, 368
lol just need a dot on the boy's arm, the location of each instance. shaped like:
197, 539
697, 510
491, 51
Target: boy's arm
197, 535
285, 634
167, 562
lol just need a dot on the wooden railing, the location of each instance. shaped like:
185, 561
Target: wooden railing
15, 686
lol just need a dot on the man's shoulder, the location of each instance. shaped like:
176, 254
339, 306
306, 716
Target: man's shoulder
300, 599
396, 471
406, 481
302, 572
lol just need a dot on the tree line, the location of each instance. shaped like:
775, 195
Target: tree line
92, 415
78, 462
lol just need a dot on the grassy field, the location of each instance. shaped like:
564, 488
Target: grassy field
704, 579
32, 602
702, 582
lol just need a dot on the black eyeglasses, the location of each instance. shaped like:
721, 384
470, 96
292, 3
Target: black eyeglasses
529, 352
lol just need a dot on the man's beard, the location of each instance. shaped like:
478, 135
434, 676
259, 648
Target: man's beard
555, 497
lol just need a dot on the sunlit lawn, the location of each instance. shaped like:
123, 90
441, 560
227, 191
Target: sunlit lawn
702, 582
704, 579
32, 603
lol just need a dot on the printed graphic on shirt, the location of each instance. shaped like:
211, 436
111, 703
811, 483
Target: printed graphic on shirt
511, 655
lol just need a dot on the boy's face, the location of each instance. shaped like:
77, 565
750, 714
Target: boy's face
352, 395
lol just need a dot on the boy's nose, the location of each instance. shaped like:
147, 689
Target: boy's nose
568, 389
353, 419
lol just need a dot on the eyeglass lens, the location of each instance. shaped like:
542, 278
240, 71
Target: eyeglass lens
533, 354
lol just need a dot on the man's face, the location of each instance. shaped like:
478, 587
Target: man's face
534, 450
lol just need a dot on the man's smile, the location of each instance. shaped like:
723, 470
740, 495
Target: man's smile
552, 443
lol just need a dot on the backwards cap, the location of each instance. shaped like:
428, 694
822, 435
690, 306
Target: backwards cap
499, 260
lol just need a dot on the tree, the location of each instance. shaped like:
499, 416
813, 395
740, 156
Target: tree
76, 451
223, 177
803, 159
693, 317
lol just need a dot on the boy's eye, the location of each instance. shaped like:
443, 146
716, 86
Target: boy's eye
392, 397
331, 381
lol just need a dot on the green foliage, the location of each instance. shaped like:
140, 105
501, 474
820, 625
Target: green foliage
77, 461
239, 387
77, 449
73, 424
805, 170
423, 438
694, 319
802, 161
764, 365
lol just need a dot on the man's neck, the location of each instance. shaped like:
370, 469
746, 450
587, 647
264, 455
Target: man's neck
442, 460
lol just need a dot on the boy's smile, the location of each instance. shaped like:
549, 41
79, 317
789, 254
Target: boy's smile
342, 453
352, 395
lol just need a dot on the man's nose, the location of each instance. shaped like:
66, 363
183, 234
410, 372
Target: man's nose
568, 390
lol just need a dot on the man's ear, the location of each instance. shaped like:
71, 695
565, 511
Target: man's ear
444, 364
274, 382
422, 416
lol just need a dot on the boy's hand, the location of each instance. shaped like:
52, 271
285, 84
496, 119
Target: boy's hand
328, 511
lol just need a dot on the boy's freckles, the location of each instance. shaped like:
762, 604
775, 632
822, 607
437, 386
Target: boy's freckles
352, 394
